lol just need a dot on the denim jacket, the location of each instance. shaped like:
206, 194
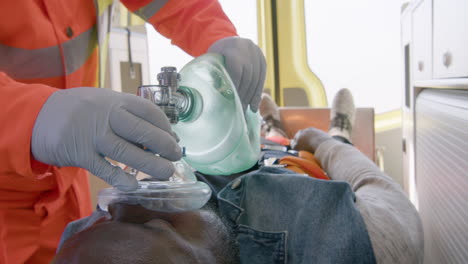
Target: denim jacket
279, 216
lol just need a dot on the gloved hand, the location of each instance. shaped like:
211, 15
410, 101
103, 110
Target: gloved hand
79, 127
246, 66
309, 139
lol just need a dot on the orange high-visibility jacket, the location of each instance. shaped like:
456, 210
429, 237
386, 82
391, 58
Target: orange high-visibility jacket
47, 45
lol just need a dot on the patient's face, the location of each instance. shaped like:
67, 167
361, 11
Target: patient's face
137, 235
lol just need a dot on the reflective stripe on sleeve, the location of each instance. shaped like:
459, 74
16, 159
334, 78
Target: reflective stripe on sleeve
150, 9
21, 63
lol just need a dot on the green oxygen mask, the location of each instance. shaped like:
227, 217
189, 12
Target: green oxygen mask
202, 104
205, 111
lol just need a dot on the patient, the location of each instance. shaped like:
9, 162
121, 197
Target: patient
276, 212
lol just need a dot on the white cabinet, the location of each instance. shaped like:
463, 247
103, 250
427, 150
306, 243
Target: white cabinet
450, 38
435, 123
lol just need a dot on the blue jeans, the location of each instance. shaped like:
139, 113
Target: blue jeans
279, 216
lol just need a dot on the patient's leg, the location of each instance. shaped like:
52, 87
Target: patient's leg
271, 124
392, 221
342, 116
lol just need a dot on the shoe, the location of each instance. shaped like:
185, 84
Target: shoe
271, 124
342, 115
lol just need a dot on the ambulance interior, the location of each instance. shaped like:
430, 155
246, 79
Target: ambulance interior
405, 62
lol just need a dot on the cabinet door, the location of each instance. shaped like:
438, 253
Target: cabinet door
422, 40
450, 38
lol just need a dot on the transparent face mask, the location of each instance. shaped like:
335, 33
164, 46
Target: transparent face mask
182, 192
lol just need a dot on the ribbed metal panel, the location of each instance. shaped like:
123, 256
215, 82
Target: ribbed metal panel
442, 173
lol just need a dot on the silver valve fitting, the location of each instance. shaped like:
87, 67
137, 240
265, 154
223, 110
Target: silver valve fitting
166, 95
169, 77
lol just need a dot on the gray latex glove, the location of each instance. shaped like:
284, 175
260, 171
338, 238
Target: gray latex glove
309, 139
79, 127
246, 66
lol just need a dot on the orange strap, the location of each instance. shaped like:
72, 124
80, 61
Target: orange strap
305, 163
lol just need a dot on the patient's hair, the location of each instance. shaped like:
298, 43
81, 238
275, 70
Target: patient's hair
228, 251
77, 249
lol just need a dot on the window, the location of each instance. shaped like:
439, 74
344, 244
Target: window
243, 14
356, 45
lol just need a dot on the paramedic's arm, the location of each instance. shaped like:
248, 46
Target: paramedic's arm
392, 221
21, 104
79, 127
192, 25
201, 26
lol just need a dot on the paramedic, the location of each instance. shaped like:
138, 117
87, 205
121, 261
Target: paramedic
55, 125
